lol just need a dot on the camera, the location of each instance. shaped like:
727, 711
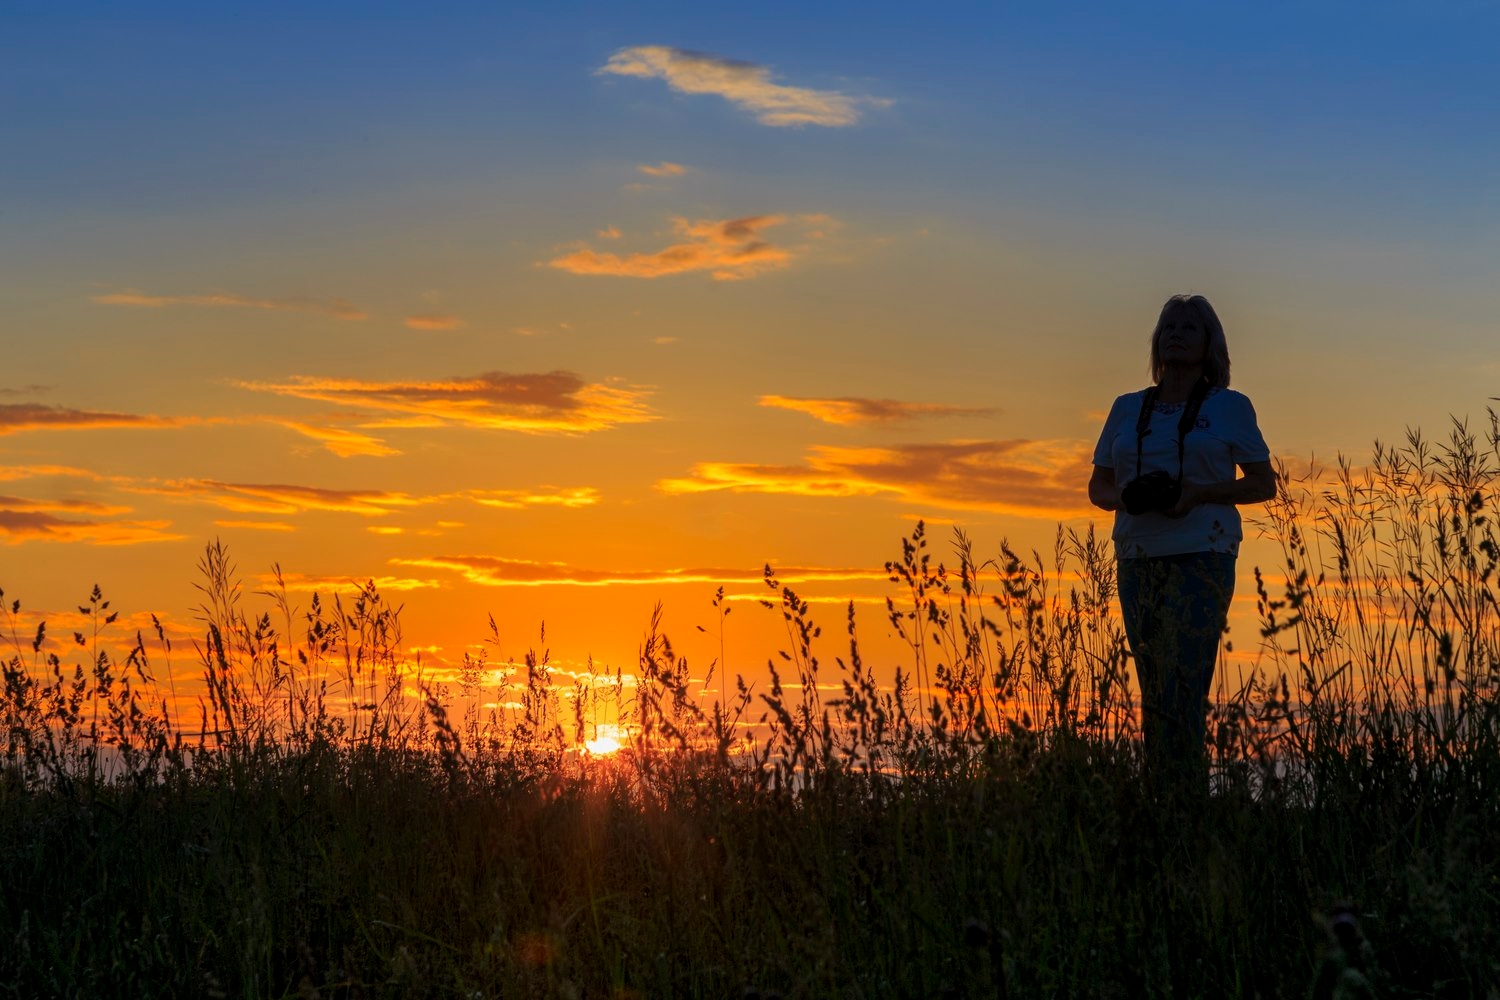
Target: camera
1155, 491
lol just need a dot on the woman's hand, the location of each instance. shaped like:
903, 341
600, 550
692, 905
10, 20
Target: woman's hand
1190, 497
1257, 485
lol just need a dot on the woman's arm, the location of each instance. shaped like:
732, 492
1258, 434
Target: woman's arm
1103, 493
1257, 485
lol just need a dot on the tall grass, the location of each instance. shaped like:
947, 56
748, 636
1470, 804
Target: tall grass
974, 820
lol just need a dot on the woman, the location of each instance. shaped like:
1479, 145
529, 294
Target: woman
1165, 465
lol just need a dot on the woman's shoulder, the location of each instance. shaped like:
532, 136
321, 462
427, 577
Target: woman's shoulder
1126, 406
1231, 411
1230, 399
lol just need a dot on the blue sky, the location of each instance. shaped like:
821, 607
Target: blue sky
1337, 103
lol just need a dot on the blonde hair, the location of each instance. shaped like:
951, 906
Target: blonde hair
1215, 350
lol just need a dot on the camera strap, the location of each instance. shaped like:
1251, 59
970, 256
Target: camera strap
1187, 422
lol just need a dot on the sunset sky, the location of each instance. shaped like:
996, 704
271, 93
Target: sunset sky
557, 311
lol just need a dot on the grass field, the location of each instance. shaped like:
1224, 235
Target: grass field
978, 824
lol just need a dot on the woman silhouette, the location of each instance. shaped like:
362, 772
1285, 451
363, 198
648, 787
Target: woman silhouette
1165, 465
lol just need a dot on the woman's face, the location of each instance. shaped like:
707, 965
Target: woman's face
1182, 340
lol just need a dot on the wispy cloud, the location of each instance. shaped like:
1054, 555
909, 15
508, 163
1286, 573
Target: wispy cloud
1027, 478
851, 410
341, 441
21, 526
433, 321
11, 473
336, 308
576, 496
729, 249
493, 571
276, 498
16, 417
27, 505
665, 168
24, 390
306, 583
609, 233
282, 498
553, 402
745, 84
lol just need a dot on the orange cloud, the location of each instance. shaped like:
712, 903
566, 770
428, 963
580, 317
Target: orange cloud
257, 525
255, 498
571, 497
336, 308
304, 583
343, 443
493, 571
433, 322
20, 504
850, 410
1044, 479
747, 85
276, 498
729, 249
20, 526
609, 233
663, 169
555, 402
9, 473
17, 417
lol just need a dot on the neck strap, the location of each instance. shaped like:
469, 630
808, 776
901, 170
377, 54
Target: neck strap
1185, 423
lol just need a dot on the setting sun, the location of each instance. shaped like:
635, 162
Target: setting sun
606, 740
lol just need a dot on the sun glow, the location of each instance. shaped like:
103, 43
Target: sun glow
608, 739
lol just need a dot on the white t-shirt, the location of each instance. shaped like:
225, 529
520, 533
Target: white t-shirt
1225, 436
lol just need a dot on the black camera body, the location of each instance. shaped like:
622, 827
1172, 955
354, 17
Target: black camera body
1154, 492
